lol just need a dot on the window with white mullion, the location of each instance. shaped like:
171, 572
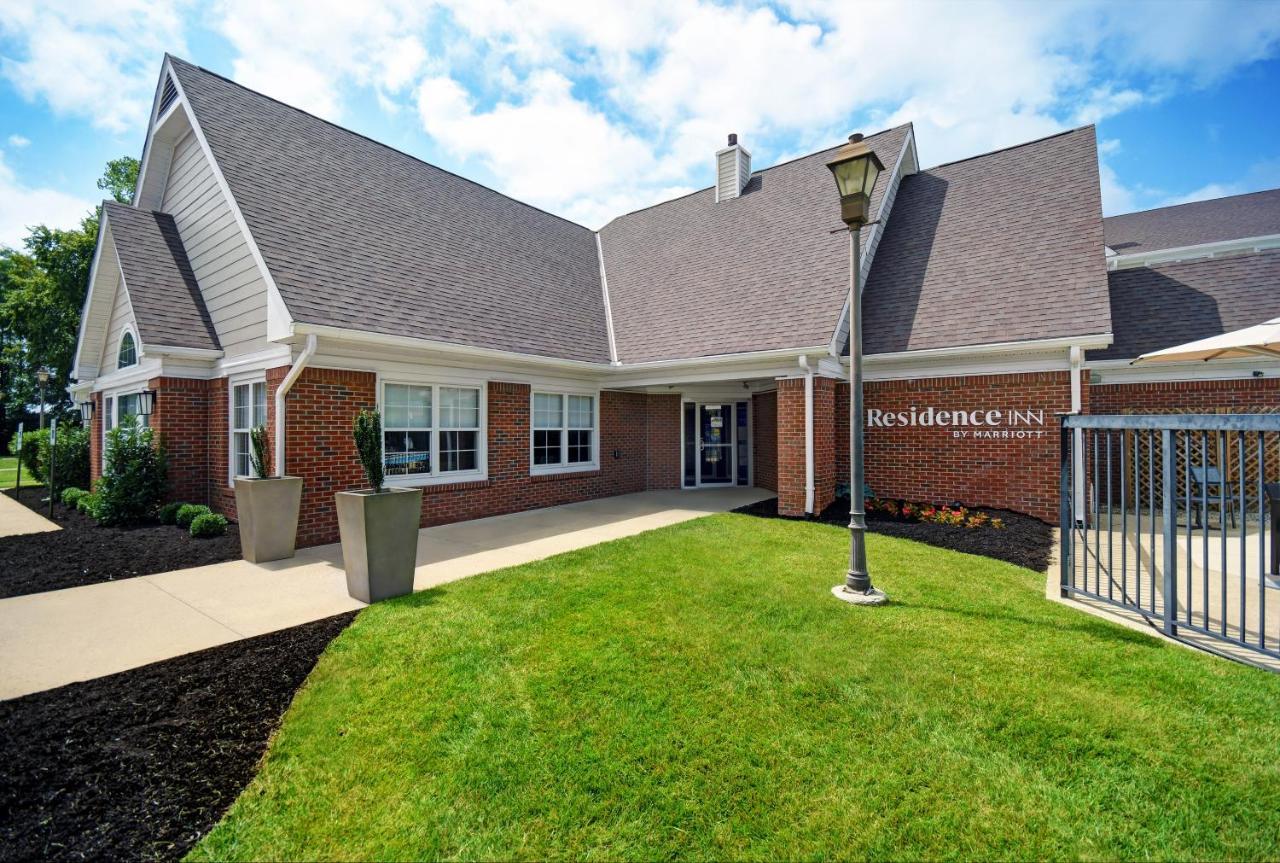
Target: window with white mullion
431, 430
406, 429
248, 411
564, 429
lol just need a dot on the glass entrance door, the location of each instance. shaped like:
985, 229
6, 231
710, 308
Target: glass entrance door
715, 444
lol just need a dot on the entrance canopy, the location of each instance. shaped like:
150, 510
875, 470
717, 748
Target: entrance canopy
1262, 340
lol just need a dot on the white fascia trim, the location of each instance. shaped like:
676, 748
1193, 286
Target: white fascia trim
391, 341
165, 69
88, 297
1123, 372
608, 310
720, 359
1092, 342
1198, 251
267, 359
185, 353
275, 302
908, 145
144, 371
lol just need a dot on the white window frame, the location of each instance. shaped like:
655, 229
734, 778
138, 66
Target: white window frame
563, 466
436, 476
137, 349
113, 415
232, 430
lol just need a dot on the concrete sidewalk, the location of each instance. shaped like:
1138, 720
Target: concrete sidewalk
51, 639
16, 519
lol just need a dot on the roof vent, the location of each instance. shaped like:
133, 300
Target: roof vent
733, 170
167, 95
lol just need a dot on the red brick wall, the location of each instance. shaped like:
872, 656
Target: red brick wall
790, 446
222, 497
95, 440
639, 443
764, 425
1240, 396
824, 443
179, 420
931, 464
662, 445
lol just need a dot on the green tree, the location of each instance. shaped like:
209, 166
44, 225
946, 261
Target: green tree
120, 179
42, 290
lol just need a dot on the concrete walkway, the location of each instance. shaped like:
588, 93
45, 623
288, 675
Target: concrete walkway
51, 639
16, 519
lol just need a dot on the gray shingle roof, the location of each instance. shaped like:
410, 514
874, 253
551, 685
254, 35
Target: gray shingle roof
361, 236
1233, 218
1002, 247
692, 277
167, 304
1170, 304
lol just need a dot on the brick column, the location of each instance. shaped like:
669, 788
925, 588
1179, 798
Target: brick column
824, 442
790, 446
95, 440
662, 436
179, 421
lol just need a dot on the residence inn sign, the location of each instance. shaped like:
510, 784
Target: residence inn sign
964, 422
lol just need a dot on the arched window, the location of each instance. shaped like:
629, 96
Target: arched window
128, 351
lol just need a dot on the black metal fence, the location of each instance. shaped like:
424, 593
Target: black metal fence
1175, 518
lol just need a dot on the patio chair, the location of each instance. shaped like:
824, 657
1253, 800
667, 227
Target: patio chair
1207, 483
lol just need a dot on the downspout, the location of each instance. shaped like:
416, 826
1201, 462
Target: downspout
308, 351
1076, 355
808, 434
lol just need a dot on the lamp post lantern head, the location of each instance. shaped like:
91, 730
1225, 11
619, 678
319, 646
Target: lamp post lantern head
856, 168
43, 374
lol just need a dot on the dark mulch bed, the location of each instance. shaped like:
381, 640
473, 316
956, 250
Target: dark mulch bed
84, 552
1024, 540
141, 764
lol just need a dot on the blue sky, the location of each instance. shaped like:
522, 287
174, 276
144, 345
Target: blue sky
594, 109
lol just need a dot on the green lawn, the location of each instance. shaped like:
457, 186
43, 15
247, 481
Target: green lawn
9, 472
696, 692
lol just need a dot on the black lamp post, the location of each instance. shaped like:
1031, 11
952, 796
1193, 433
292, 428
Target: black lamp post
42, 377
856, 169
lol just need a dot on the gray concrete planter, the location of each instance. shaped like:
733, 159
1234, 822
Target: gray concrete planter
267, 510
379, 541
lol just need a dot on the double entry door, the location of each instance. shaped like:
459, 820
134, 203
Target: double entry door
714, 437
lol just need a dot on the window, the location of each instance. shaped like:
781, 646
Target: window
564, 428
128, 355
431, 431
406, 429
248, 411
108, 418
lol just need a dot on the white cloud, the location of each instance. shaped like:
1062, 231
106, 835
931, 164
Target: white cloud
90, 59
18, 142
22, 206
548, 149
304, 54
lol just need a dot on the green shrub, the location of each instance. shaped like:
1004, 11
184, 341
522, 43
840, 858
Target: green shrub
71, 495
169, 512
208, 524
368, 436
90, 505
70, 458
32, 447
71, 468
188, 512
258, 454
133, 477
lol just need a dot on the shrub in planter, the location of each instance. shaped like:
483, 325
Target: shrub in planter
71, 495
189, 512
266, 506
134, 476
208, 524
169, 512
379, 528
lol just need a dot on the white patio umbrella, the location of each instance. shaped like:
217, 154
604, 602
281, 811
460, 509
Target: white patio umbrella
1262, 340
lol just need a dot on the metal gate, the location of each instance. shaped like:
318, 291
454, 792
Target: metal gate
1175, 518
